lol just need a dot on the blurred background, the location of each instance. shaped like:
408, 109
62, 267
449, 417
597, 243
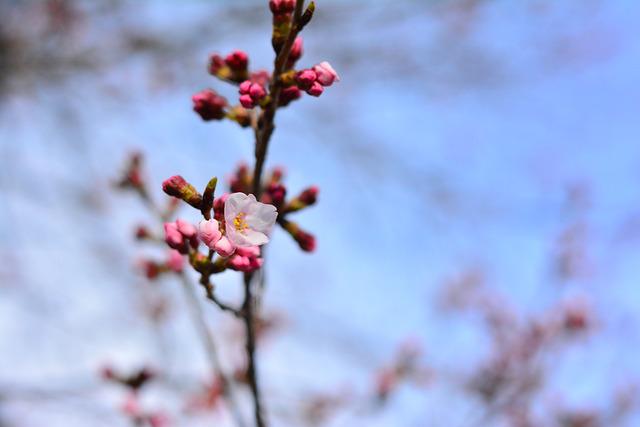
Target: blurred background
478, 222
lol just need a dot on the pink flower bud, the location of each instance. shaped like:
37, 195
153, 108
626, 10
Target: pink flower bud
306, 78
289, 94
279, 7
150, 268
274, 194
173, 237
215, 64
218, 207
309, 196
257, 92
209, 105
186, 228
326, 74
244, 87
175, 261
247, 101
239, 262
209, 232
142, 232
296, 52
237, 60
248, 251
224, 247
316, 89
306, 241
251, 94
176, 186
262, 77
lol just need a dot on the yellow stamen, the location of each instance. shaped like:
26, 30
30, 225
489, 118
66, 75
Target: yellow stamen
239, 222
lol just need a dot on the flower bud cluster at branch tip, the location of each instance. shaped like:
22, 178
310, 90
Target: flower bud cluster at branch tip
181, 236
209, 105
282, 11
153, 269
314, 80
274, 193
251, 94
234, 67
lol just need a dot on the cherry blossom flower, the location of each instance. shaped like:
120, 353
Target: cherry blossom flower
248, 222
326, 75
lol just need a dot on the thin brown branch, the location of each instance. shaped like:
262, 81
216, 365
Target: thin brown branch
209, 343
249, 322
266, 123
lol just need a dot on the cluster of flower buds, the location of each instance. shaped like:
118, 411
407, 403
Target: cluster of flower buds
282, 11
314, 80
153, 269
234, 67
209, 105
274, 193
251, 94
181, 236
240, 224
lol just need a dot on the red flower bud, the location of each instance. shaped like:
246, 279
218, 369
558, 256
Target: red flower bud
295, 53
306, 78
279, 7
316, 89
237, 60
289, 94
309, 196
142, 232
177, 187
215, 64
209, 105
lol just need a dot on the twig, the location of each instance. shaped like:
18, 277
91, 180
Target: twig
249, 322
263, 130
266, 122
207, 338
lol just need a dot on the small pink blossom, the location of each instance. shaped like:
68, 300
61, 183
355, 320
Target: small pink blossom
326, 74
247, 221
224, 247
